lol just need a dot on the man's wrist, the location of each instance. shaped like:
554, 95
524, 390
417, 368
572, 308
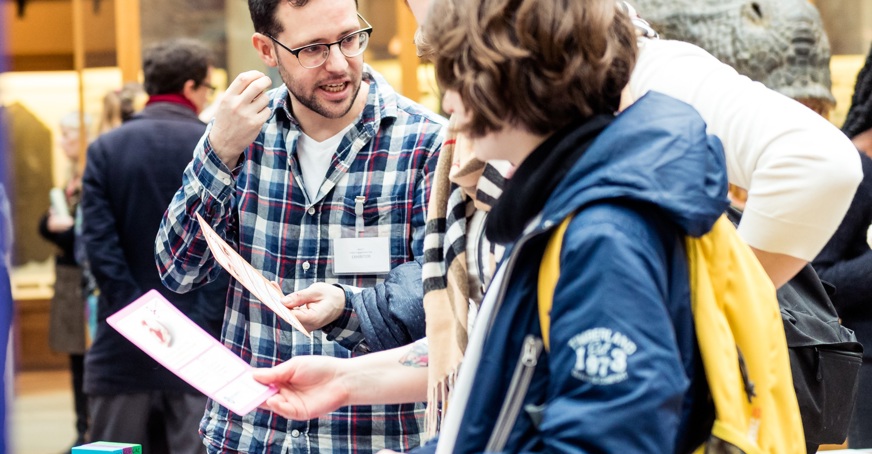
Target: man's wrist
342, 303
344, 313
219, 147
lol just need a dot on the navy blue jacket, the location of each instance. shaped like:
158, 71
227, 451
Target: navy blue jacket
623, 373
131, 175
846, 262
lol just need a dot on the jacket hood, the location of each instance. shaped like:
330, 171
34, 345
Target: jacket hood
656, 152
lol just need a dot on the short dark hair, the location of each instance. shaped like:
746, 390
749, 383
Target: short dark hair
167, 65
263, 14
536, 64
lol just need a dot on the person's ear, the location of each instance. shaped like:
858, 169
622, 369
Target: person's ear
189, 88
265, 49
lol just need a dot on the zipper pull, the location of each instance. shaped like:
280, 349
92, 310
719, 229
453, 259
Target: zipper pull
516, 393
530, 351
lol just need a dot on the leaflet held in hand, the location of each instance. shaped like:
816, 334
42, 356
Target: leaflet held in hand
162, 331
59, 202
269, 293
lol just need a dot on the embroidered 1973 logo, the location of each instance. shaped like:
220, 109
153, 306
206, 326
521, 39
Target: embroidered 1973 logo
601, 356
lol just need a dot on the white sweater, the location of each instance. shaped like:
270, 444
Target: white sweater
800, 171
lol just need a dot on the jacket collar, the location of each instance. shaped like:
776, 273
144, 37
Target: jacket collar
166, 109
655, 153
536, 178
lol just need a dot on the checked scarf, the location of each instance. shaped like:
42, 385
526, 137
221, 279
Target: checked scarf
452, 288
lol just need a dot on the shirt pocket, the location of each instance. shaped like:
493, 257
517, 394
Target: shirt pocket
382, 217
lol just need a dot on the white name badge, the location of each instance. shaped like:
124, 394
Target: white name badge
362, 255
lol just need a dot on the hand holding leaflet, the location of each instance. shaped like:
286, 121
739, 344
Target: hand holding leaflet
268, 292
163, 332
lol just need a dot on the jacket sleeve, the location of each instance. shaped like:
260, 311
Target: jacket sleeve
390, 315
846, 260
616, 376
100, 232
64, 240
181, 252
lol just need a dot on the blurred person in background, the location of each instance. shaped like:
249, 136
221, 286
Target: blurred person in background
131, 175
120, 104
846, 260
67, 310
6, 301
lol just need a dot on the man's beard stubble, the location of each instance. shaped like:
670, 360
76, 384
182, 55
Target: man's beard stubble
311, 102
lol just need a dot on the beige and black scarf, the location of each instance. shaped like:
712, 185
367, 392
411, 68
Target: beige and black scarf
462, 185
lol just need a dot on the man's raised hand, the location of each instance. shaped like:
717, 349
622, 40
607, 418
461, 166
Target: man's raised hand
240, 116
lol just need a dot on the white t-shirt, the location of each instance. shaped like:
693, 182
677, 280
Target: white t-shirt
800, 171
315, 157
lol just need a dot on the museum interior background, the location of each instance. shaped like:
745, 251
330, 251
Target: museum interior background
55, 44
64, 55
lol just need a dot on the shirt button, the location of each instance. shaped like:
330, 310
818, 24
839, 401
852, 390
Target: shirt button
226, 180
295, 433
306, 266
311, 210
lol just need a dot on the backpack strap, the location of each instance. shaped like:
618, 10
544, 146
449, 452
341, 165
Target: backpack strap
549, 271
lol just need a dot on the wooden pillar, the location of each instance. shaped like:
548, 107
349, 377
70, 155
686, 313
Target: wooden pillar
79, 65
848, 24
241, 55
406, 26
128, 33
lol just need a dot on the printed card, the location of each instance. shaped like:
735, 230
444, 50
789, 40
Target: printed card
362, 255
269, 293
163, 332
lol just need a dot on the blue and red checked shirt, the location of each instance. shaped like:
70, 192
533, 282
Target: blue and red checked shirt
261, 208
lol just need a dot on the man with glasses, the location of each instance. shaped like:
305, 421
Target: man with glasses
324, 179
131, 175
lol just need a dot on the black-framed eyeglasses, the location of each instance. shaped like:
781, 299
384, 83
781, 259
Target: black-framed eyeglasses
314, 55
209, 87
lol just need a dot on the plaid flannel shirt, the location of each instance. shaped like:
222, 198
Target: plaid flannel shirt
388, 157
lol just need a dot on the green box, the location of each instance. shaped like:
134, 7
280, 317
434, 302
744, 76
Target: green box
103, 447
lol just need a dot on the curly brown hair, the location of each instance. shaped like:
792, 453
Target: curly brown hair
535, 64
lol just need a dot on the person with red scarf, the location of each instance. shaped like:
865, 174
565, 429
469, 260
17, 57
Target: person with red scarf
131, 175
